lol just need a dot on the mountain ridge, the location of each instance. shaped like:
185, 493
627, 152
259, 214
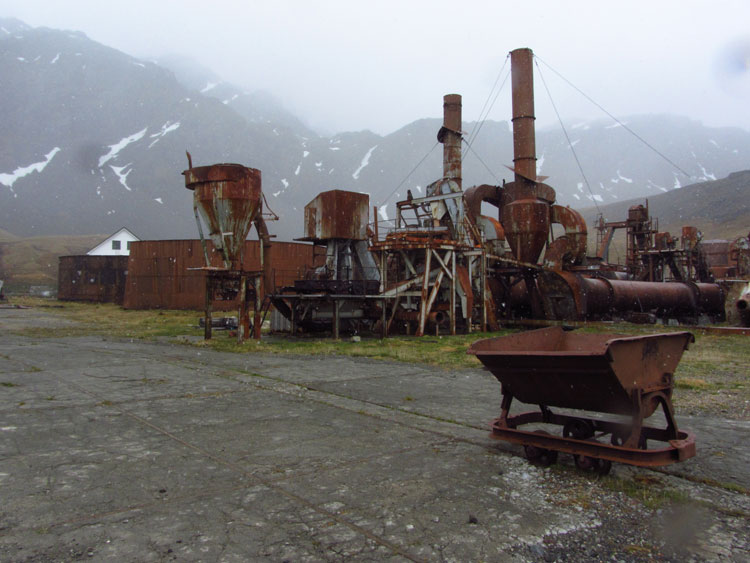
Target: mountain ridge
96, 140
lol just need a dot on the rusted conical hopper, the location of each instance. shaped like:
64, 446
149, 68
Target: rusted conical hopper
228, 198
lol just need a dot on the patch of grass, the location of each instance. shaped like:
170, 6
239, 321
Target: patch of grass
692, 383
646, 489
147, 381
8, 384
50, 398
108, 319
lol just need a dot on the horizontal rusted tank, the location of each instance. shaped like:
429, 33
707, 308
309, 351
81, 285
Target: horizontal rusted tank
571, 296
228, 198
593, 372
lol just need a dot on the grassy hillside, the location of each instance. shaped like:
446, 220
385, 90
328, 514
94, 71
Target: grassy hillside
5, 236
34, 261
719, 209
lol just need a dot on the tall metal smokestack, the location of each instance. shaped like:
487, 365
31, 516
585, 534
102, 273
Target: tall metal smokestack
526, 214
450, 136
524, 139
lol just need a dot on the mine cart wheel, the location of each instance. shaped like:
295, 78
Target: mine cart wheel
619, 437
540, 456
598, 466
578, 428
585, 462
603, 467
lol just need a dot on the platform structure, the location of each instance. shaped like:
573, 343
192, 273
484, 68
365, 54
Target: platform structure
431, 266
247, 286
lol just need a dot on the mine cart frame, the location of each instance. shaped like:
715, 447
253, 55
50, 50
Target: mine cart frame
628, 441
588, 376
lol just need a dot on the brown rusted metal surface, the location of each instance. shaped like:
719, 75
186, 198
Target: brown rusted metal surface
337, 214
569, 249
690, 237
524, 141
92, 278
228, 198
475, 195
450, 136
161, 274
526, 225
605, 373
571, 296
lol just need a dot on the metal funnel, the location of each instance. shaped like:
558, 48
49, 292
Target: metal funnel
228, 198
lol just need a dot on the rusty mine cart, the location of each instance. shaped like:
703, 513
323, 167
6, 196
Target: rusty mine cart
629, 376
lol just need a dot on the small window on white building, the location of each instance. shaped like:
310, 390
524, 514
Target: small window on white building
115, 245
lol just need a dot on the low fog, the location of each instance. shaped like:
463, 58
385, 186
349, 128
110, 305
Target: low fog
345, 66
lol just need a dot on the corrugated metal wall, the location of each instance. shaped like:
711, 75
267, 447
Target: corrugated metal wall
92, 278
159, 275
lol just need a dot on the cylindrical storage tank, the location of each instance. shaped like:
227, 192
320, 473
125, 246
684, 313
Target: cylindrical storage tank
711, 298
671, 298
598, 297
228, 198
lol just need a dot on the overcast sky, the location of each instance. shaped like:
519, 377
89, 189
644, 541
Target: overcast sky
350, 65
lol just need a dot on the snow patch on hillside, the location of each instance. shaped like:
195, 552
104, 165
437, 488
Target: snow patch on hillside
9, 179
57, 58
539, 164
122, 176
208, 87
168, 127
706, 175
121, 144
365, 162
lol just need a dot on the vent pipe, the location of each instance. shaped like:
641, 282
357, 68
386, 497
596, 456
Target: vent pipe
450, 136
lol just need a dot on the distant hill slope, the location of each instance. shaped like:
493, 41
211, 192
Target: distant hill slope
34, 261
719, 209
93, 139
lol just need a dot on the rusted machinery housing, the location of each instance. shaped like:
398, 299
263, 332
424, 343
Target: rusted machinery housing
443, 264
229, 200
629, 376
341, 294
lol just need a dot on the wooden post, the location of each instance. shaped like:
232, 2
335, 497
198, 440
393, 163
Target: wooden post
242, 318
383, 321
207, 312
453, 295
336, 304
423, 309
258, 314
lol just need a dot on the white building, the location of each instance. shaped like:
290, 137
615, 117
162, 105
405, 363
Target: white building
116, 244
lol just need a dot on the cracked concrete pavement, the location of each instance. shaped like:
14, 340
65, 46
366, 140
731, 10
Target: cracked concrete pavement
145, 451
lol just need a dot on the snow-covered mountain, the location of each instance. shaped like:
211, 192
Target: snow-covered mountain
93, 139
